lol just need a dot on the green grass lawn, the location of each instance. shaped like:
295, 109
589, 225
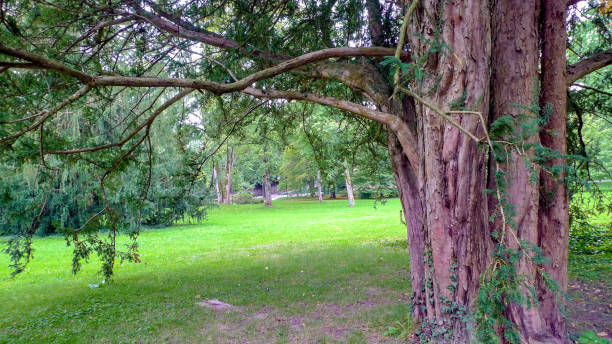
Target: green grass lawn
298, 272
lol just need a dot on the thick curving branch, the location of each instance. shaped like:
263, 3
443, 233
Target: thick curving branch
588, 65
22, 65
179, 29
399, 127
40, 62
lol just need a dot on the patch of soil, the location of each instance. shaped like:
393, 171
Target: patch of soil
322, 319
215, 304
590, 307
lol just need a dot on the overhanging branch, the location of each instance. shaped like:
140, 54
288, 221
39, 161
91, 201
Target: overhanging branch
588, 65
36, 61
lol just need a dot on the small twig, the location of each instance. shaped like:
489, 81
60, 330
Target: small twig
90, 219
441, 113
593, 89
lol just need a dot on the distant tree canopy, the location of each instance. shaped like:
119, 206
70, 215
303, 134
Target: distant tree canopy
479, 106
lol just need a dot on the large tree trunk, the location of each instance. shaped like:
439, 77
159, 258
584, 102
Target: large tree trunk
553, 226
514, 92
319, 186
229, 165
451, 236
349, 184
494, 51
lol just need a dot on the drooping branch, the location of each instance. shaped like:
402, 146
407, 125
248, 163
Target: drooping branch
45, 114
146, 124
361, 110
45, 63
96, 28
178, 27
588, 65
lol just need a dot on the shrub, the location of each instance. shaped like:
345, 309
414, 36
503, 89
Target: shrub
585, 237
244, 197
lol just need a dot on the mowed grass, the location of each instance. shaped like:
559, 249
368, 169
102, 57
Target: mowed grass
298, 272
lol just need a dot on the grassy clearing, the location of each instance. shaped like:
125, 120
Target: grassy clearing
298, 272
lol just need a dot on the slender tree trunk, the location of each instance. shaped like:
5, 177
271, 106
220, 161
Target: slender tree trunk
215, 176
332, 191
318, 185
229, 165
267, 189
349, 184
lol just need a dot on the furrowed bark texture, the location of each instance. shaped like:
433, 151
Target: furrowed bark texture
553, 226
515, 62
452, 171
411, 192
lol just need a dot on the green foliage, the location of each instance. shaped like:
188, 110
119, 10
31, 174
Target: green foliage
591, 267
501, 284
591, 337
586, 237
401, 329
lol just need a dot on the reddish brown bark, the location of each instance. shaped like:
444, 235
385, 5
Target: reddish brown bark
515, 74
452, 233
411, 193
553, 226
443, 196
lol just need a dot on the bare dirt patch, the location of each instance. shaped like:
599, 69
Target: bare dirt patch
303, 323
590, 307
